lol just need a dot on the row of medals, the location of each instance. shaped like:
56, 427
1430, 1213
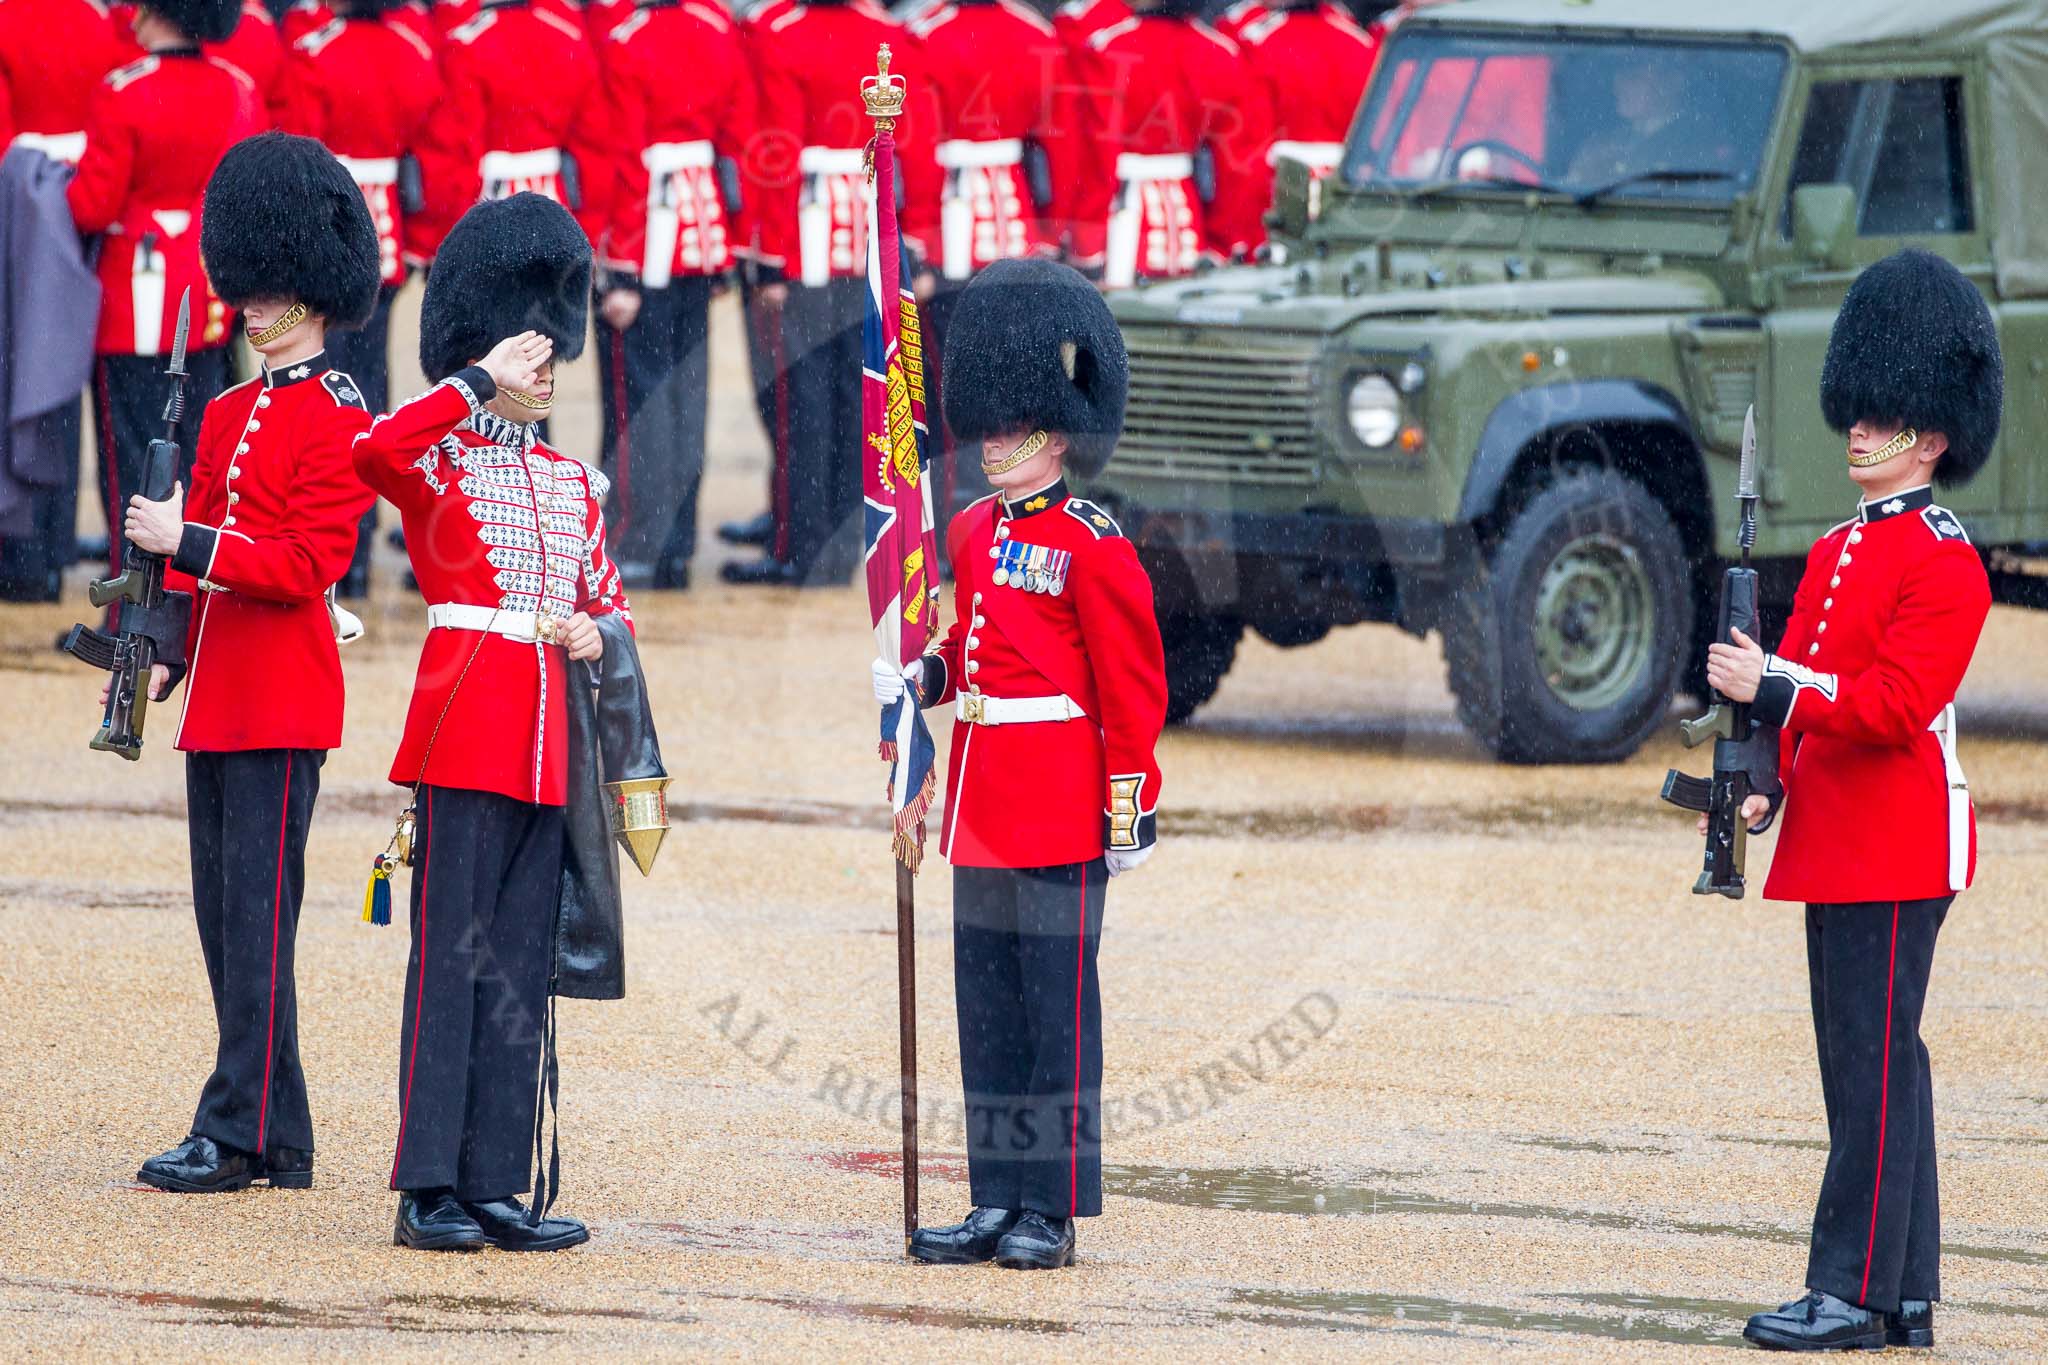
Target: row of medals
1034, 568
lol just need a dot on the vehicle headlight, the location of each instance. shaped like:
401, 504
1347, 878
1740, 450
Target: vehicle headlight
1374, 409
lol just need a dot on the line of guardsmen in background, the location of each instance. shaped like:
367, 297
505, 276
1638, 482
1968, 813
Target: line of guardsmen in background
697, 148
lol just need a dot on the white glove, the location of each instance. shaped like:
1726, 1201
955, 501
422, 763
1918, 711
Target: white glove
1124, 859
890, 680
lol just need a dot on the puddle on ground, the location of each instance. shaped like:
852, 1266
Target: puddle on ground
1641, 1320
1803, 1144
1558, 1144
906, 1315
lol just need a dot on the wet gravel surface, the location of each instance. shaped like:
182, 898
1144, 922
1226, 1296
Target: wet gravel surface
1408, 1053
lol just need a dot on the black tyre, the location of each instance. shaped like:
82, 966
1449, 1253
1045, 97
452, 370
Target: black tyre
1199, 651
1570, 641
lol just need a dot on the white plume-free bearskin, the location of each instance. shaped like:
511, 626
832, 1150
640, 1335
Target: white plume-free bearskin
1915, 346
209, 21
508, 266
283, 219
1032, 345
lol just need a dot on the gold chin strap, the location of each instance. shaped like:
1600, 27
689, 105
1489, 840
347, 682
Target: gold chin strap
290, 318
527, 400
1026, 448
1890, 450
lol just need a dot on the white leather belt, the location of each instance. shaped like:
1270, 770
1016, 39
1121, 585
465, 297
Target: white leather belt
976, 709
66, 147
831, 161
498, 167
1311, 153
370, 170
961, 154
1944, 728
1134, 168
524, 626
666, 158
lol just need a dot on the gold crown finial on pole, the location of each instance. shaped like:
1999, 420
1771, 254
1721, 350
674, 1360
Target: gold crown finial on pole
882, 93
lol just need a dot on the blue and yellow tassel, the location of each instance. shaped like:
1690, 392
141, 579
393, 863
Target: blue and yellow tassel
377, 895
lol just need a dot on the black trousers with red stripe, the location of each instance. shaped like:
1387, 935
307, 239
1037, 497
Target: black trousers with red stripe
249, 812
128, 397
1030, 1007
1877, 1227
476, 992
821, 328
655, 386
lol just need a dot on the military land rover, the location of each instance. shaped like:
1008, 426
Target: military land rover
1492, 381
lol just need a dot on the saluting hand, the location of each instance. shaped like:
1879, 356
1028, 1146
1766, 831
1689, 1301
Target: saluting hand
156, 526
515, 362
581, 638
1735, 670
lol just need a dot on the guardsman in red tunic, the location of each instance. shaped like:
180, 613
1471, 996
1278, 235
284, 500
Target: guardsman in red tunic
264, 531
255, 47
1054, 670
508, 543
807, 189
1879, 834
363, 83
1079, 20
52, 56
680, 110
1312, 60
1007, 138
518, 79
156, 130
1178, 132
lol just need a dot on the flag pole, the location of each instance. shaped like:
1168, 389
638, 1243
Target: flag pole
883, 97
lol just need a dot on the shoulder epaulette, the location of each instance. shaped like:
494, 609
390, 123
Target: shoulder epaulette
343, 390
311, 43
924, 25
557, 23
628, 26
1029, 15
121, 77
1213, 36
1102, 38
1098, 522
469, 31
711, 16
1945, 524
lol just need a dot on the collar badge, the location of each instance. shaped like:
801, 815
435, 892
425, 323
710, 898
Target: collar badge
299, 373
1038, 504
1895, 506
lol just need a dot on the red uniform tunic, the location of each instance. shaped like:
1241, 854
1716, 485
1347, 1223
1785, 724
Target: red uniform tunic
1312, 63
518, 80
255, 48
52, 56
1072, 619
663, 136
1158, 90
1886, 619
157, 128
805, 173
493, 518
1079, 20
270, 524
363, 87
1002, 80
307, 15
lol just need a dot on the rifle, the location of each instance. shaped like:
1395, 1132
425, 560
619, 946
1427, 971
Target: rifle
1745, 749
150, 623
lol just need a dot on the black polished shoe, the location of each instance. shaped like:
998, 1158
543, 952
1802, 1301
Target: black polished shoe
762, 570
1818, 1322
431, 1220
673, 574
199, 1165
1912, 1325
967, 1243
505, 1227
355, 584
1037, 1243
753, 531
636, 573
287, 1168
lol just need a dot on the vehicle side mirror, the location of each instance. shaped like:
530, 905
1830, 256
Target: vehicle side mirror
1824, 223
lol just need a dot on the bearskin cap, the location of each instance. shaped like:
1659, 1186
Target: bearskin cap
283, 220
508, 266
368, 9
1915, 345
1032, 345
208, 21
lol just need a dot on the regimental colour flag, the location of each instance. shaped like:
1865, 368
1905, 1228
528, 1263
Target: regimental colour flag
902, 550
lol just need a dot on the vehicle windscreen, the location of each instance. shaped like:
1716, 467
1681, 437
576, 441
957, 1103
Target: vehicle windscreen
1577, 114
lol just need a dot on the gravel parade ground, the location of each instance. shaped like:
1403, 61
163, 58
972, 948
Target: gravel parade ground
1408, 1053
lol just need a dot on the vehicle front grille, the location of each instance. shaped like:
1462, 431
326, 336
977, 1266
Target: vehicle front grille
1234, 407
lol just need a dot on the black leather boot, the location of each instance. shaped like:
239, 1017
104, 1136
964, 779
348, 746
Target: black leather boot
287, 1168
431, 1220
355, 584
199, 1165
1037, 1243
1818, 1322
505, 1227
1912, 1325
763, 570
753, 531
966, 1243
